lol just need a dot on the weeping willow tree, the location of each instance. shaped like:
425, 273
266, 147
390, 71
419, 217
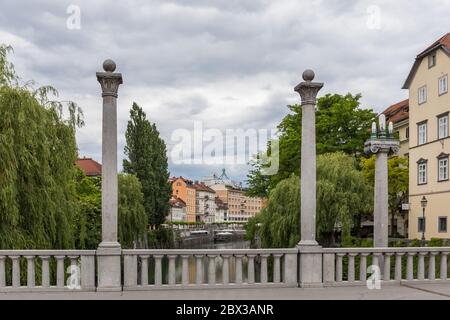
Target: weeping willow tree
343, 195
37, 173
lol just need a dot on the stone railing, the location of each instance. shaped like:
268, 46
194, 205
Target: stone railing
47, 270
145, 269
396, 265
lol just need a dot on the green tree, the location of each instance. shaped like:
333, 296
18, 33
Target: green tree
341, 125
343, 195
398, 180
147, 160
37, 172
132, 217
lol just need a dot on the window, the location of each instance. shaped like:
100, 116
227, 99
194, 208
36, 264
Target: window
422, 133
422, 172
442, 224
443, 167
443, 84
432, 60
407, 132
421, 225
422, 94
443, 127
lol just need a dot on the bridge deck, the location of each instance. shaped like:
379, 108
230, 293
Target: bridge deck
389, 292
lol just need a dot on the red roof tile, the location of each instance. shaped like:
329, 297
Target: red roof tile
89, 166
397, 112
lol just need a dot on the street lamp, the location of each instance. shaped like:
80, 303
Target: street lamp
423, 203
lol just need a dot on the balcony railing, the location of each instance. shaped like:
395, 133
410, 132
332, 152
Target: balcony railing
349, 266
47, 270
162, 269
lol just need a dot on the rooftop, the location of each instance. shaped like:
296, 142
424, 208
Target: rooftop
397, 112
89, 166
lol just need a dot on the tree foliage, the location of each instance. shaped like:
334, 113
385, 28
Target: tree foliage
343, 195
147, 159
132, 217
398, 181
37, 173
341, 125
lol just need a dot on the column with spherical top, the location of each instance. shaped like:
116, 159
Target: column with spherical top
310, 253
308, 91
109, 250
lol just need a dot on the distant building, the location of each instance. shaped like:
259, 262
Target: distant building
90, 167
221, 211
177, 212
205, 204
240, 207
184, 189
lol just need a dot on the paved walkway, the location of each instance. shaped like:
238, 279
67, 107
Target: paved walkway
389, 292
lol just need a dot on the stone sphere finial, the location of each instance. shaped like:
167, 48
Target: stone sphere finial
308, 75
109, 65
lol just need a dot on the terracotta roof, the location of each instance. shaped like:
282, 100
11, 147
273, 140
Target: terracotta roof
442, 43
177, 202
397, 112
89, 166
203, 187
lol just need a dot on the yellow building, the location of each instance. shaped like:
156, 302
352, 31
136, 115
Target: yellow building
429, 143
184, 189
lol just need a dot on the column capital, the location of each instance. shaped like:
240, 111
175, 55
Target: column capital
109, 80
308, 90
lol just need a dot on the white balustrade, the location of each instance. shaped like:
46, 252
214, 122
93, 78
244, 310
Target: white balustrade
45, 270
337, 272
224, 268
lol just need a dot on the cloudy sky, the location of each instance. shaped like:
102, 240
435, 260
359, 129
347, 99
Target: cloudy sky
227, 64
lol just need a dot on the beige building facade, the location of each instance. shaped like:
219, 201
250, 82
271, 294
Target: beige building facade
429, 142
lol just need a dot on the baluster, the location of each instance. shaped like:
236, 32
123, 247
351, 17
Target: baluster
226, 269
363, 267
444, 265
421, 266
2, 272
339, 257
351, 267
60, 271
212, 269
277, 268
398, 265
387, 266
409, 266
144, 269
158, 269
185, 270
15, 271
251, 268
264, 267
45, 271
172, 274
432, 266
199, 269
30, 272
238, 264
376, 259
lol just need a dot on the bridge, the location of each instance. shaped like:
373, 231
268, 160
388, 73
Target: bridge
307, 271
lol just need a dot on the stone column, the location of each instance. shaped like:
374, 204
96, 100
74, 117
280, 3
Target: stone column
308, 91
108, 252
310, 271
382, 145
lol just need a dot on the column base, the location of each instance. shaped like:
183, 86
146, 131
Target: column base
109, 267
310, 266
